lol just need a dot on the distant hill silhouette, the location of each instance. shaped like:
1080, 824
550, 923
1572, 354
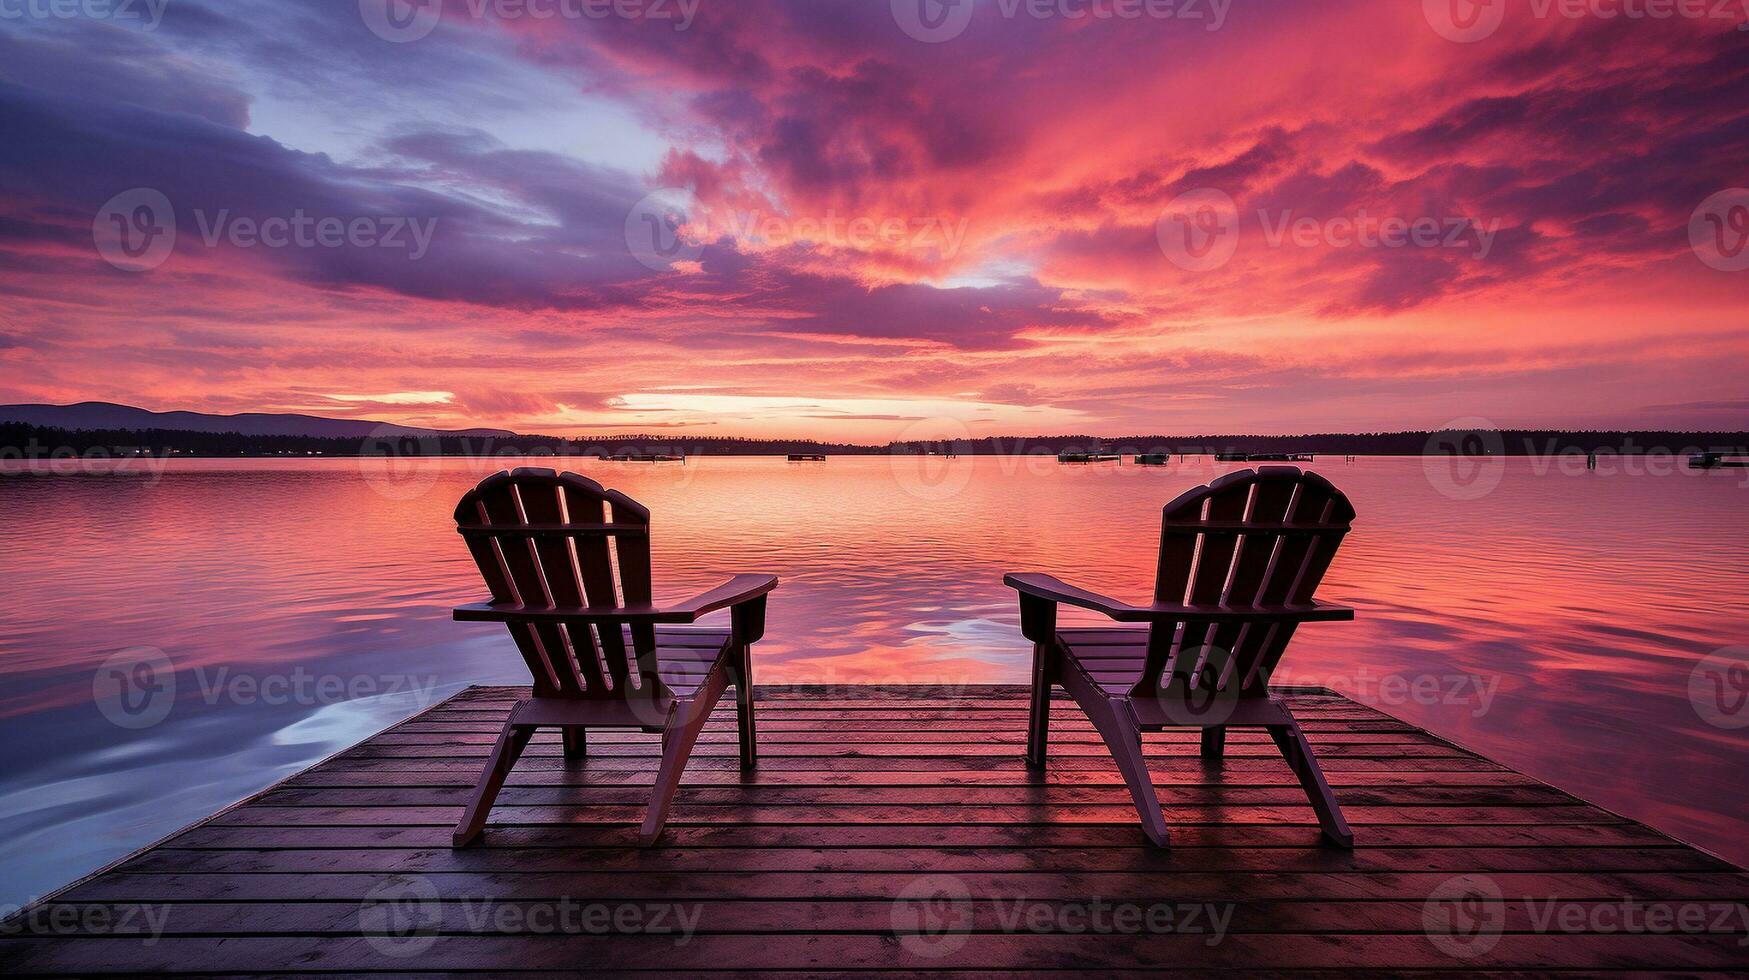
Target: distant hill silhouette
107, 415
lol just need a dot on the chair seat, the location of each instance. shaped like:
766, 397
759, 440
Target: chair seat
685, 656
1113, 659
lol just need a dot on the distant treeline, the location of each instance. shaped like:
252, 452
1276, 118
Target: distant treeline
19, 440
1472, 442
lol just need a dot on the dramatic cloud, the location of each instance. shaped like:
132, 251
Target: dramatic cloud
798, 217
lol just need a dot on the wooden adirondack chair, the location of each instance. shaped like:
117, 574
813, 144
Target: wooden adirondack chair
1239, 562
549, 546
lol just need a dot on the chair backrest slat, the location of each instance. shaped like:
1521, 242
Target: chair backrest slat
538, 560
595, 560
1271, 501
488, 556
1323, 549
502, 504
634, 573
558, 572
1204, 658
1250, 539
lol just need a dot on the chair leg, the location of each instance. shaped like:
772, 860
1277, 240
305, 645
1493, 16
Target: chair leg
1214, 742
1298, 751
1038, 727
1124, 739
576, 742
511, 741
678, 737
744, 707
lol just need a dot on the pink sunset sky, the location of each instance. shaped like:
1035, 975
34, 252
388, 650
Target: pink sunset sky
873, 235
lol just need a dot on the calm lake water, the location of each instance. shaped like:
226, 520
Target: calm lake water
1568, 623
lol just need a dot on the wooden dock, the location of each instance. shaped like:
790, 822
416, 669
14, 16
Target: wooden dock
898, 829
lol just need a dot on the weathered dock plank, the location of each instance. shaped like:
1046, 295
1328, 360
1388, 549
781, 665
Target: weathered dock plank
900, 831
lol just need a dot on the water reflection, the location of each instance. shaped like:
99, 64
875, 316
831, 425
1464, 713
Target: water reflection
1552, 621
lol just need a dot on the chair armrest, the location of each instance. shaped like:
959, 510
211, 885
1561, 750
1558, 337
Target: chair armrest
1299, 612
1053, 589
737, 590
